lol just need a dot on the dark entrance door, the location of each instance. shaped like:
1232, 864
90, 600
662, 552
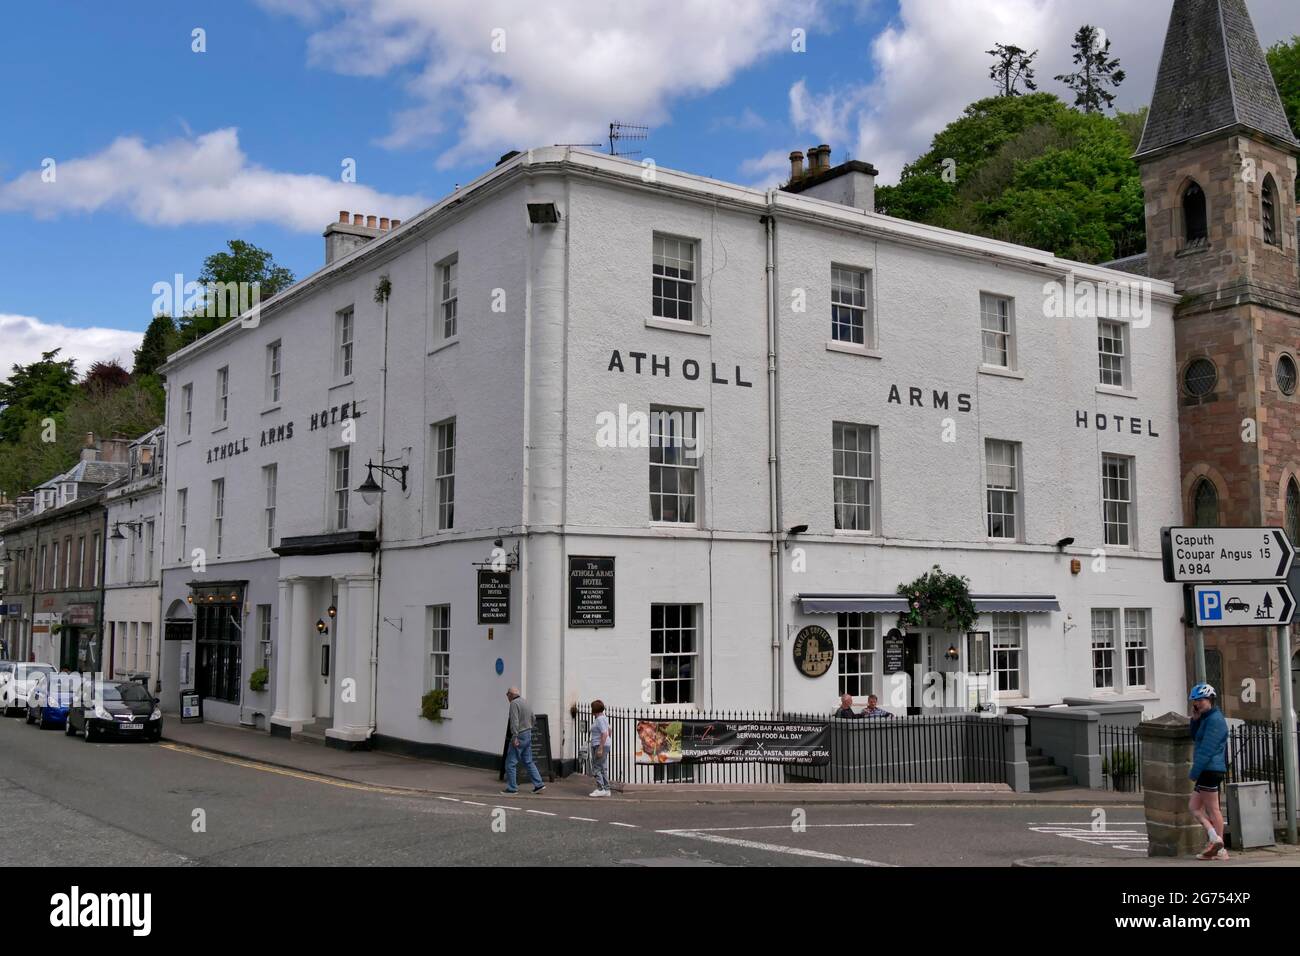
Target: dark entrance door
912, 665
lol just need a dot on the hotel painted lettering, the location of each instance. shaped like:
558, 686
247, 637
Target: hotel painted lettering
1122, 423
332, 416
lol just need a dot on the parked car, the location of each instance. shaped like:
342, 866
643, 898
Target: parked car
51, 697
115, 709
6, 675
20, 685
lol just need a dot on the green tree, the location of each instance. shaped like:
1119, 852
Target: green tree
1097, 69
153, 349
1284, 62
929, 184
35, 391
243, 265
1011, 66
1033, 172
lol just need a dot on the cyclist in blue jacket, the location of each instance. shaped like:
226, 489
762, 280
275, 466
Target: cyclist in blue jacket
1210, 733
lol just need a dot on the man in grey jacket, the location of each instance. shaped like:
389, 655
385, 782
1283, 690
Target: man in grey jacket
521, 743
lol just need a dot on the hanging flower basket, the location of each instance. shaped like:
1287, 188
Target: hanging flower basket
938, 599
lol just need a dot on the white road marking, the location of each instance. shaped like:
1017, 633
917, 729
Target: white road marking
631, 826
585, 819
473, 804
771, 847
452, 799
786, 826
541, 813
1134, 841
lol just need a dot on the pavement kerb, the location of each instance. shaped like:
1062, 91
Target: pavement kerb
705, 796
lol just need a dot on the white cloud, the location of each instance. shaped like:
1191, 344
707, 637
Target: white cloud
930, 63
198, 179
567, 69
25, 338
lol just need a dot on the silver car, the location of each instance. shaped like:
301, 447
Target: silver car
14, 691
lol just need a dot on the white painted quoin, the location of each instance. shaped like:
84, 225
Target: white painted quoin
555, 339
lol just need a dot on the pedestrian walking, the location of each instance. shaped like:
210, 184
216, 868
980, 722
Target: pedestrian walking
521, 743
1210, 733
600, 741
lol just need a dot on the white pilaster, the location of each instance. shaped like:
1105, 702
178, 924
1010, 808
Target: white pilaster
357, 617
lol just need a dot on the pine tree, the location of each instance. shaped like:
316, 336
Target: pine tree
153, 349
1011, 66
1097, 70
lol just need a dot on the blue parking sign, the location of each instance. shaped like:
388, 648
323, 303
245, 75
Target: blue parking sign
1211, 605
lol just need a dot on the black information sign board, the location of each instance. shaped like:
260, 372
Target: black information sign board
798, 743
494, 597
191, 707
893, 651
591, 592
541, 749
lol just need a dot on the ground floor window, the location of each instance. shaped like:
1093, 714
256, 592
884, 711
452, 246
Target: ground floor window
674, 649
1104, 625
1110, 633
1008, 653
218, 639
440, 650
856, 642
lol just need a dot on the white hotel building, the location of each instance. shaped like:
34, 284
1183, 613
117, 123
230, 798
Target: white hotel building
882, 384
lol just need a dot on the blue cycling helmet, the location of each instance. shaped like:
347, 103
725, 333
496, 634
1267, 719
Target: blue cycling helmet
1201, 691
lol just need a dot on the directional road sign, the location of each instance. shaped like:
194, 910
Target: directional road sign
1226, 554
1241, 605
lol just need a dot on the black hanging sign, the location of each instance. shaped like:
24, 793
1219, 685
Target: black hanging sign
814, 651
893, 651
493, 597
591, 592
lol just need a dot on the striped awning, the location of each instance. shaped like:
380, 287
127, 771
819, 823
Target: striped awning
893, 604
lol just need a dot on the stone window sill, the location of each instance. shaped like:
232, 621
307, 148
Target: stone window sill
851, 348
675, 325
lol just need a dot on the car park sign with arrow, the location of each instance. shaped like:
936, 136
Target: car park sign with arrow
1226, 554
1241, 605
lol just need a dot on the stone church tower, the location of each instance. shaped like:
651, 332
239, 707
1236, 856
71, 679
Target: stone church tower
1218, 162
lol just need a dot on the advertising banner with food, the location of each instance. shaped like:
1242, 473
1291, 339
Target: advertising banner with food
713, 741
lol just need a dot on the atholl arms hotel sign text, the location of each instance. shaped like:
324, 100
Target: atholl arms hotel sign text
283, 432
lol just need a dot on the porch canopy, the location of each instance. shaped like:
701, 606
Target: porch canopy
895, 604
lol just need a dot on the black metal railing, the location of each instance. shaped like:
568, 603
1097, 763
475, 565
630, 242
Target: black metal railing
1121, 758
951, 748
1255, 753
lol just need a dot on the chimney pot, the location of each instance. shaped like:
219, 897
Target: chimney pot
396, 223
796, 166
372, 222
383, 223
357, 218
343, 216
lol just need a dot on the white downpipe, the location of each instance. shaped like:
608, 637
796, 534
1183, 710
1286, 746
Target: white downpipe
379, 539
769, 224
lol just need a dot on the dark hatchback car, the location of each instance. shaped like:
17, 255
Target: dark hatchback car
124, 710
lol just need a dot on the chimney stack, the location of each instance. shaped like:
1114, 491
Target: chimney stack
851, 183
353, 230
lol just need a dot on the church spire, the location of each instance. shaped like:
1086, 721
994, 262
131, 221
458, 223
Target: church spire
1213, 78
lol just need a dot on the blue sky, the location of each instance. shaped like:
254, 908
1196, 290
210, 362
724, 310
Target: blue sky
163, 153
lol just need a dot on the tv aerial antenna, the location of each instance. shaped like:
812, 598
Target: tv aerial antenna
621, 131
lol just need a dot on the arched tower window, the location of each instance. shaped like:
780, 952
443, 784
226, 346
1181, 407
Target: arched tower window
1268, 207
1292, 515
1205, 505
1195, 229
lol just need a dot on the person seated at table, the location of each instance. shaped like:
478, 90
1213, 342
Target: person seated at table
873, 708
846, 707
